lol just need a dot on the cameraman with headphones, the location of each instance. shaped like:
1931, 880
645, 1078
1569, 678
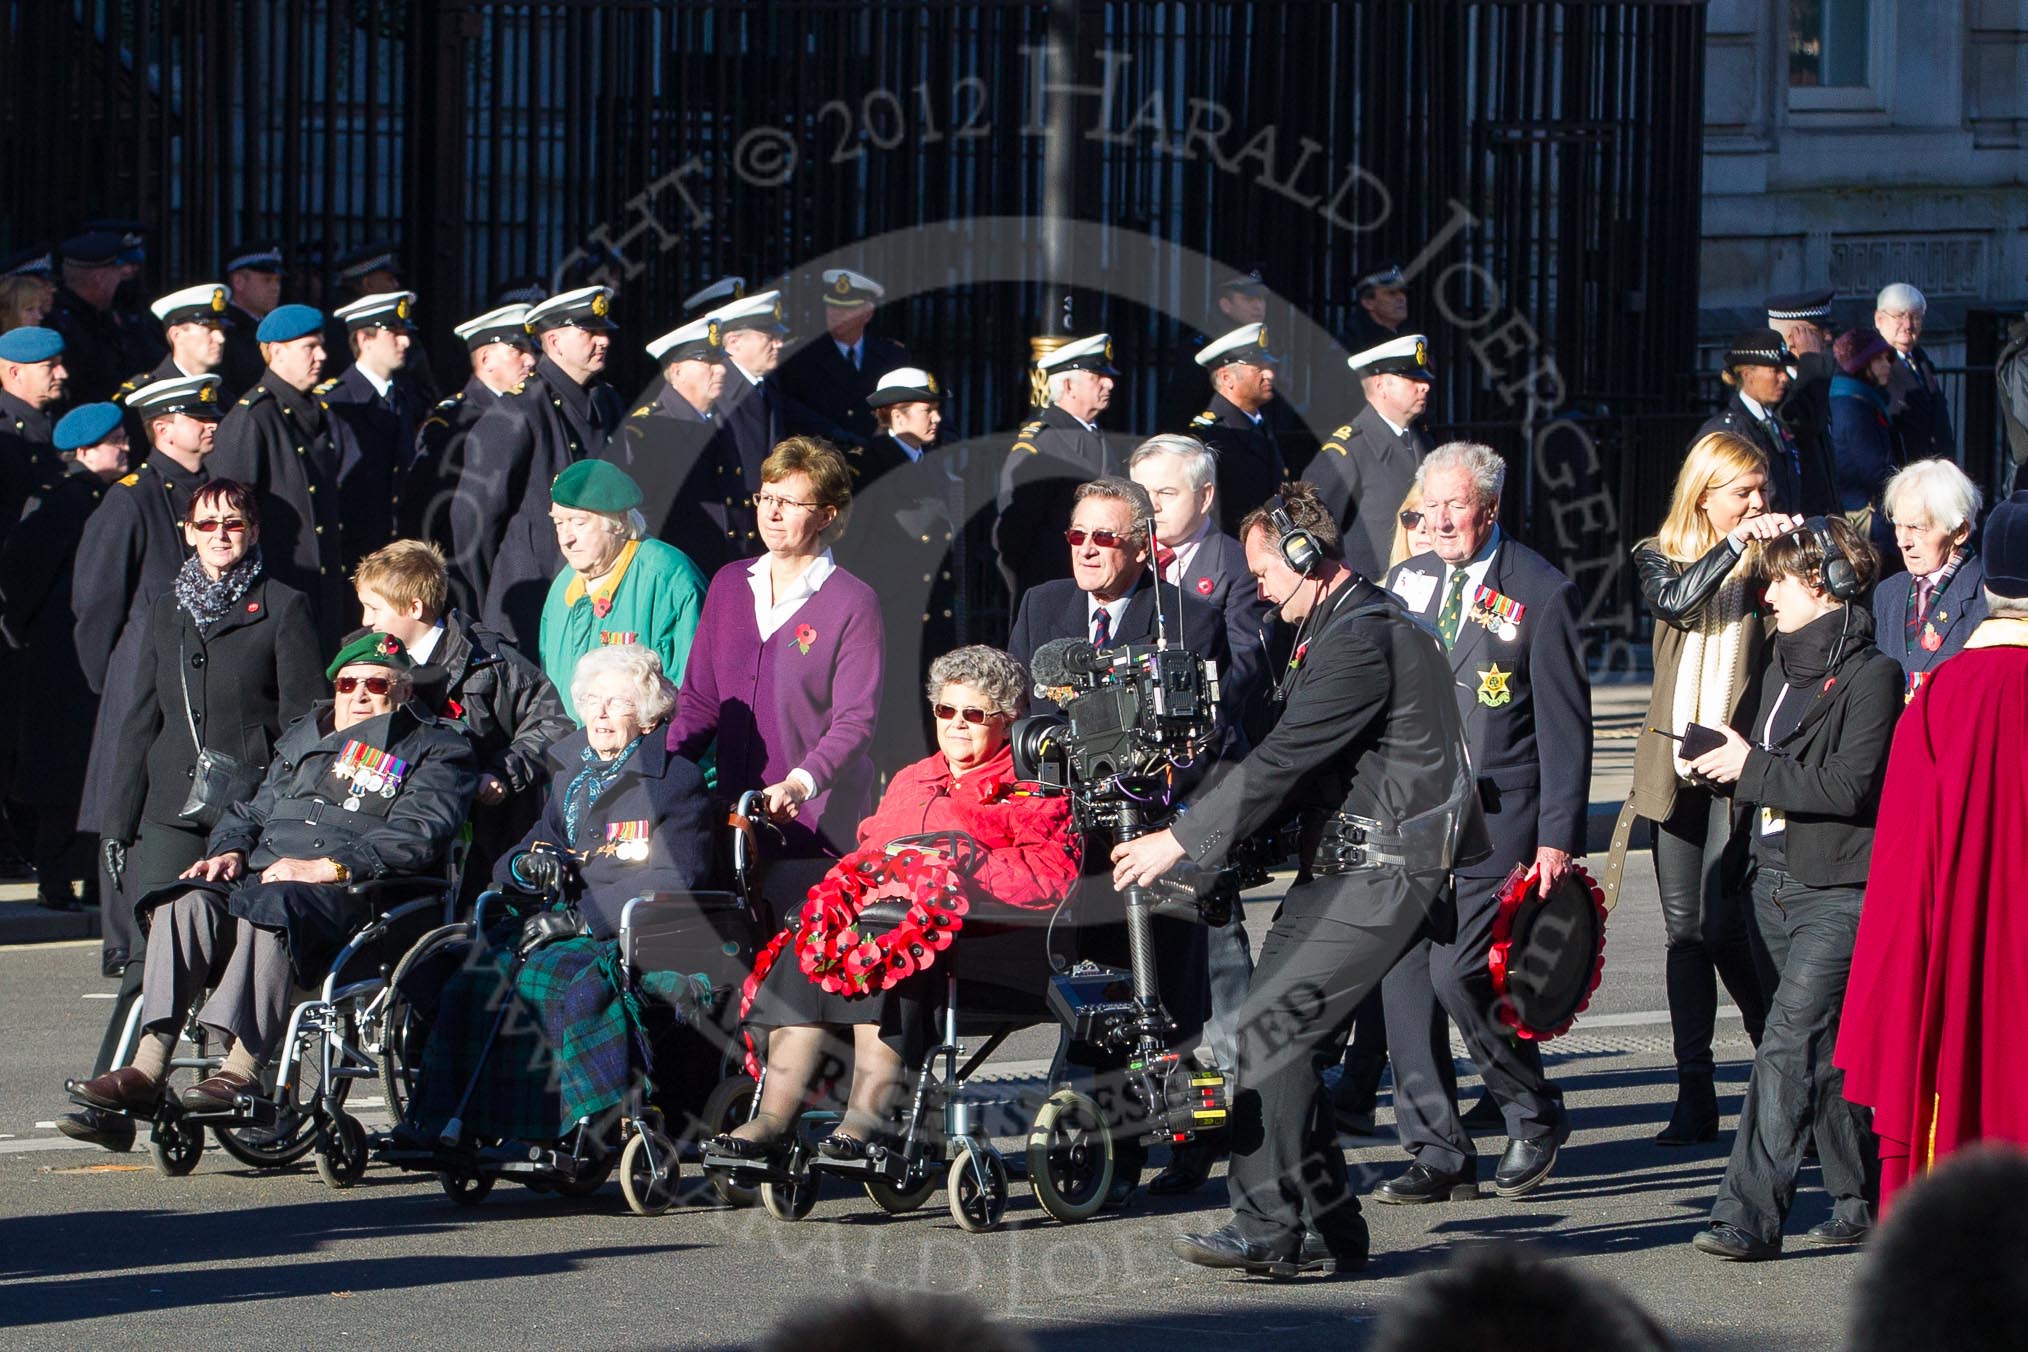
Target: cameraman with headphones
1805, 792
1369, 753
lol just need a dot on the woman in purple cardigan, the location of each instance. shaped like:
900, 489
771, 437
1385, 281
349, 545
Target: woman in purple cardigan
785, 668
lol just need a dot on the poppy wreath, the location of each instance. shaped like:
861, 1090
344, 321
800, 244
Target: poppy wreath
828, 946
1518, 891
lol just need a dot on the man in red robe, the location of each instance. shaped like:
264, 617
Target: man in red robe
1936, 1012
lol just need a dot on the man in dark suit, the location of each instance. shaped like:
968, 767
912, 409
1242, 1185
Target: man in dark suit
1369, 753
1052, 454
1508, 622
1924, 613
832, 376
1758, 369
1915, 397
1365, 467
1234, 425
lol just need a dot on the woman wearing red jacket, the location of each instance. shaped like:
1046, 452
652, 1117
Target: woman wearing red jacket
1028, 859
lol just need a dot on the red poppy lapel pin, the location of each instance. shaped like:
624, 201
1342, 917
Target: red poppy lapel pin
253, 607
805, 636
1204, 586
602, 606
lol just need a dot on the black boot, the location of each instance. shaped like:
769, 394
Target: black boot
1695, 1119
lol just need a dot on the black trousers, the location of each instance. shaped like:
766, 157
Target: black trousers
1331, 943
1709, 926
1796, 1093
1433, 986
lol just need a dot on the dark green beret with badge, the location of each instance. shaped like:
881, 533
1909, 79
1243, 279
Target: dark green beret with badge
595, 486
371, 650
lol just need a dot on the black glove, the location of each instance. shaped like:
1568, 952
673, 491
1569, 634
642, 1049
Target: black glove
115, 853
539, 871
547, 928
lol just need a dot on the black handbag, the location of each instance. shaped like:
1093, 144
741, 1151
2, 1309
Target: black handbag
218, 780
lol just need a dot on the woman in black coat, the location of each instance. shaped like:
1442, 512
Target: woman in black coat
1805, 786
242, 650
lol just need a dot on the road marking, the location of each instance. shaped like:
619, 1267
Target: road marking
42, 1126
54, 943
100, 995
44, 1143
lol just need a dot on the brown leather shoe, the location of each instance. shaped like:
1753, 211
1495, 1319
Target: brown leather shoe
218, 1093
122, 1090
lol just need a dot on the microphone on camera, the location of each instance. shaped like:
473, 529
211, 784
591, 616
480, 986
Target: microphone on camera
1054, 663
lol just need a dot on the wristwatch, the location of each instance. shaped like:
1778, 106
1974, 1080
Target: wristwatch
344, 874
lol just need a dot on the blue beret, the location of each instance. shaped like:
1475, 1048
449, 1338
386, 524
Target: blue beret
29, 343
85, 425
286, 323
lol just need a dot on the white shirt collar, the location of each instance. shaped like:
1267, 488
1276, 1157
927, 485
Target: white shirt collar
1392, 425
1753, 406
1116, 609
751, 378
425, 647
1477, 566
846, 350
771, 614
380, 386
1186, 553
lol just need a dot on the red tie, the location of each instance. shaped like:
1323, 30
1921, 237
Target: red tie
1165, 559
1102, 628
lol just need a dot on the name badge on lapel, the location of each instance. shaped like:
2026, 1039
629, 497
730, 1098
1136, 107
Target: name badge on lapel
1415, 588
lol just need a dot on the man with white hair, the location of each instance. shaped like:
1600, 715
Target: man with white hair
1917, 407
1052, 454
1508, 623
1924, 614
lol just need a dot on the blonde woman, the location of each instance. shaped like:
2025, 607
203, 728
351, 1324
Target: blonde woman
1411, 530
1697, 575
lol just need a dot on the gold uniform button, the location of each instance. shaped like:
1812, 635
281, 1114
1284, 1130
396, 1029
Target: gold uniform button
313, 488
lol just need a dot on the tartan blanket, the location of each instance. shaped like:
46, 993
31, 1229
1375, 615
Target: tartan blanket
571, 1046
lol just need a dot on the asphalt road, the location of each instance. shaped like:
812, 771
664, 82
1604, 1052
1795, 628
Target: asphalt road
98, 1250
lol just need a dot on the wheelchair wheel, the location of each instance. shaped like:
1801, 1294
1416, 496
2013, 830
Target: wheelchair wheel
294, 1131
176, 1147
466, 1189
791, 1201
977, 1186
405, 1030
725, 1108
648, 1154
341, 1151
897, 1200
1070, 1157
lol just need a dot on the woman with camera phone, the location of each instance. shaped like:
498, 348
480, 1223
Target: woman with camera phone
1805, 788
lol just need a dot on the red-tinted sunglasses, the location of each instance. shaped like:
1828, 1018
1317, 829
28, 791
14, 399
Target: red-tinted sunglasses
231, 524
1104, 539
972, 715
375, 685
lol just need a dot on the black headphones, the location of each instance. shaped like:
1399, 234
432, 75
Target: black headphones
1299, 549
1841, 579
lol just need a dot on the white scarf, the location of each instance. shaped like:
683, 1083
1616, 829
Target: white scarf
1710, 660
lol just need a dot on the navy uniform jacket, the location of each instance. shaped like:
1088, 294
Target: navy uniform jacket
504, 541
99, 346
383, 432
127, 556
1059, 609
1953, 613
287, 446
693, 490
1799, 467
1362, 472
166, 369
428, 490
241, 366
1250, 468
658, 798
30, 468
1525, 702
48, 730
818, 377
1921, 415
1052, 454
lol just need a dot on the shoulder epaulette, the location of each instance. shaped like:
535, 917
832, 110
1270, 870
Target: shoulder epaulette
326, 386
445, 405
519, 388
1343, 432
1334, 447
1205, 419
1029, 429
131, 479
643, 411
255, 395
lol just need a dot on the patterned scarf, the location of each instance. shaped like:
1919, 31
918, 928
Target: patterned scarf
596, 777
208, 598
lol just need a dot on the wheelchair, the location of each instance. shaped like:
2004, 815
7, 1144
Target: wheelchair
1105, 1101
336, 1037
695, 1080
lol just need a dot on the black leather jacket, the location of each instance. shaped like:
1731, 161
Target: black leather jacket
1676, 592
504, 703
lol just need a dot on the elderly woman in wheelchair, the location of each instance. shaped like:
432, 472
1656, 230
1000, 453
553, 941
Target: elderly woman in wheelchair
824, 990
365, 787
534, 1038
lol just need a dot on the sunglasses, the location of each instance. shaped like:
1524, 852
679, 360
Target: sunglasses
947, 712
375, 685
231, 525
1104, 539
1411, 519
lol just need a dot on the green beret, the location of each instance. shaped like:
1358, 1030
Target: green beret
595, 486
374, 650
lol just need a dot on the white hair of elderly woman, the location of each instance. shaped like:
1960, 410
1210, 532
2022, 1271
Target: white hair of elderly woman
1933, 491
654, 694
989, 671
1898, 298
1483, 463
1200, 462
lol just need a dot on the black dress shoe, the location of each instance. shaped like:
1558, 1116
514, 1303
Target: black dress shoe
840, 1146
1340, 1253
1419, 1184
1524, 1166
1227, 1248
1734, 1244
1835, 1231
1485, 1115
1189, 1166
740, 1148
98, 1127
